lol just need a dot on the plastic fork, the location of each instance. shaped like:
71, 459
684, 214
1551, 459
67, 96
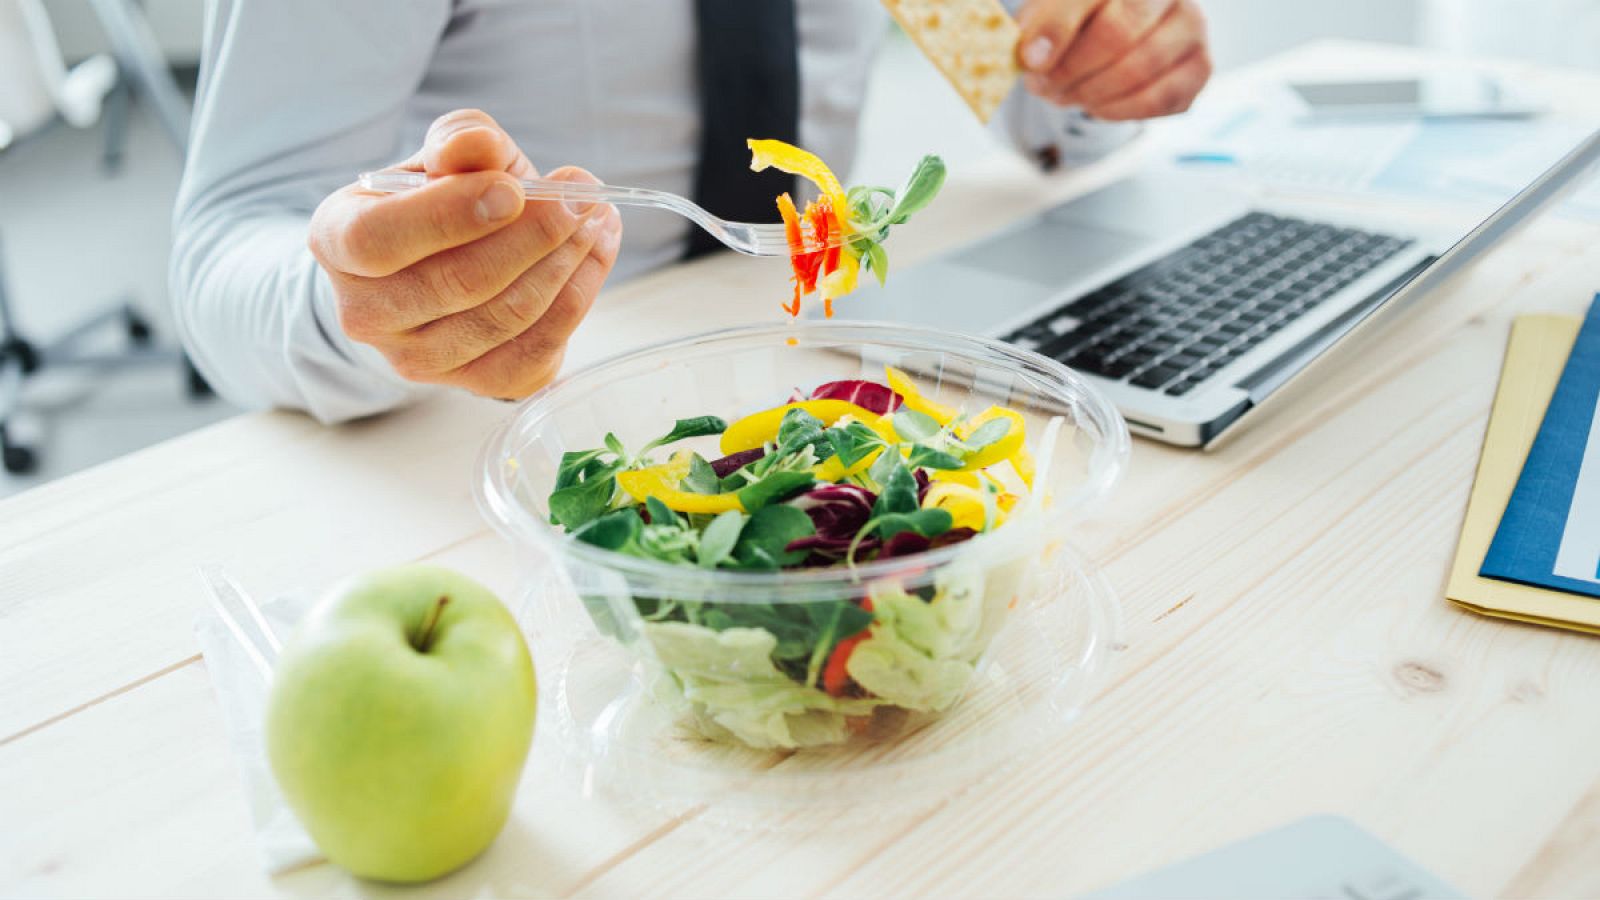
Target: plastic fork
745, 237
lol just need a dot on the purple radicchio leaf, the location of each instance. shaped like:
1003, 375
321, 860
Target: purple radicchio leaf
733, 462
905, 543
953, 536
868, 395
837, 511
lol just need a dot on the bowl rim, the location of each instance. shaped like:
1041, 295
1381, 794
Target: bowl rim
497, 502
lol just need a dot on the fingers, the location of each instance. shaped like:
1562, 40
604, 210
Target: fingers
461, 281
373, 235
1176, 36
1172, 92
468, 140
1111, 33
1048, 28
1128, 59
532, 360
456, 340
371, 310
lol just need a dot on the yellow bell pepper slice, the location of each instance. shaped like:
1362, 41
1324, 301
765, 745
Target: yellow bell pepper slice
842, 280
965, 504
901, 384
1022, 463
1008, 444
957, 476
661, 482
756, 429
789, 158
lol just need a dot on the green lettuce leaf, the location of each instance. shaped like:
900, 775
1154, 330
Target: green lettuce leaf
921, 654
734, 690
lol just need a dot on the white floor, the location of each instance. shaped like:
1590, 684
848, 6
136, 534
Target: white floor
72, 241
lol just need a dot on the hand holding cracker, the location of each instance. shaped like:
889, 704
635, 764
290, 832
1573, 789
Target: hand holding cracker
1116, 59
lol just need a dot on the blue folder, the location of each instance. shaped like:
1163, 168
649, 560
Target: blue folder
1531, 529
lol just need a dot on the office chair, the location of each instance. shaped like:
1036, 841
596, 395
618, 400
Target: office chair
37, 92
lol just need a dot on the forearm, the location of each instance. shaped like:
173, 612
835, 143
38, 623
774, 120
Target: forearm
272, 138
257, 316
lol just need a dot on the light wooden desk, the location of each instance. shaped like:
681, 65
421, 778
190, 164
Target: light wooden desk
1288, 648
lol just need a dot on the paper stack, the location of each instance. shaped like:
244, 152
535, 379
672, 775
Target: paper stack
1530, 544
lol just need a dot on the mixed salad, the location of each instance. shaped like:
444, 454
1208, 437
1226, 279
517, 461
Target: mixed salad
849, 473
863, 213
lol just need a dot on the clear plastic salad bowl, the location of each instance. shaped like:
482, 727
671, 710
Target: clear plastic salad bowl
975, 647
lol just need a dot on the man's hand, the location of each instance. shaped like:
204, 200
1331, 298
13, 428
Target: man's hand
1116, 59
460, 282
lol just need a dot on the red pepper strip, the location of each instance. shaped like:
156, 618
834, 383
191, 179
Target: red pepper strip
809, 265
791, 222
836, 674
791, 230
820, 214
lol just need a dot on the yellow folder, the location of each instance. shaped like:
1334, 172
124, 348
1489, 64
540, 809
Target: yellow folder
1534, 359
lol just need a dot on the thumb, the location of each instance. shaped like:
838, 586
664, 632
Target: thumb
1048, 27
468, 140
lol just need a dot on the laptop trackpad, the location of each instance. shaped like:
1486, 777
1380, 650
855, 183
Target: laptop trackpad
1049, 253
941, 295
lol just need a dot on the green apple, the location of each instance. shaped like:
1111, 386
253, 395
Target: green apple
400, 716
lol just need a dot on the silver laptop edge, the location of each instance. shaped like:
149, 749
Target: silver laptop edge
1301, 368
1036, 267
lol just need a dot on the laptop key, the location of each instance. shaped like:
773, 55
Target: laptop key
1156, 377
1118, 368
1090, 359
1183, 317
1063, 324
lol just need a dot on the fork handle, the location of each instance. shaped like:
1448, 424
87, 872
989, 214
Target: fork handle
394, 182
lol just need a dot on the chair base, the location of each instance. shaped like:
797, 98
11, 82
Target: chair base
17, 459
22, 360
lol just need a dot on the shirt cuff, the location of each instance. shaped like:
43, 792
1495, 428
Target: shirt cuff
1052, 136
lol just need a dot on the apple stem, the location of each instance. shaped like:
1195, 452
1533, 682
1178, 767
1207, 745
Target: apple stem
425, 633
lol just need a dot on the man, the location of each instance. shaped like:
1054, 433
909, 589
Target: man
293, 291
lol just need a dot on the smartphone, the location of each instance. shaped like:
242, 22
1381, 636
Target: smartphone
1444, 95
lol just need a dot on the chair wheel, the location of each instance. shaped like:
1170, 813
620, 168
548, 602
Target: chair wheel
195, 383
138, 329
20, 460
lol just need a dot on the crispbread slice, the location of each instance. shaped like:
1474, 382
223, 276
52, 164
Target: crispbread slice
973, 42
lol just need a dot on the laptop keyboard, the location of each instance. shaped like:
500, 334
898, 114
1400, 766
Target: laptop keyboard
1171, 324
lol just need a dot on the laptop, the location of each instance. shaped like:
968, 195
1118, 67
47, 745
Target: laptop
1322, 857
1191, 304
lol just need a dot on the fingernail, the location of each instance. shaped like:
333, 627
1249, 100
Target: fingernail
500, 201
1036, 53
580, 208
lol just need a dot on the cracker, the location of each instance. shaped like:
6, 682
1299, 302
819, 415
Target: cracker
973, 42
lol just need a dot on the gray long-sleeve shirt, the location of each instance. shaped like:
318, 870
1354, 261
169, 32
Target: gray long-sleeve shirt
297, 96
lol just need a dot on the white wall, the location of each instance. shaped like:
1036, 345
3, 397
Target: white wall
1244, 31
1552, 32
